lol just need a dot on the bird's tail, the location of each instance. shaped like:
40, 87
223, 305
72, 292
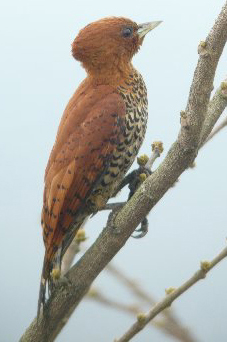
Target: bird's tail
49, 264
52, 261
42, 288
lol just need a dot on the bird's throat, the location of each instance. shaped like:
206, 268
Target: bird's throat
111, 74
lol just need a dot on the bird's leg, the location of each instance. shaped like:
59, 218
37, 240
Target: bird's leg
113, 206
143, 172
134, 179
125, 181
141, 175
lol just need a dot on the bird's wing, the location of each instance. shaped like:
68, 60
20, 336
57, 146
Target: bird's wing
78, 159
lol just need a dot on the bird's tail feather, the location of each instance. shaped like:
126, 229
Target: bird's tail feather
48, 266
42, 288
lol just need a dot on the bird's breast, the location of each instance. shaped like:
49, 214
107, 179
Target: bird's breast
134, 93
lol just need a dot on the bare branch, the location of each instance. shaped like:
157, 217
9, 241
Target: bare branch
172, 325
131, 284
143, 319
215, 131
164, 325
67, 296
96, 295
216, 107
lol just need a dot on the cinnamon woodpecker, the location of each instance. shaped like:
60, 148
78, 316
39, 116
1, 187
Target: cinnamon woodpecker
100, 133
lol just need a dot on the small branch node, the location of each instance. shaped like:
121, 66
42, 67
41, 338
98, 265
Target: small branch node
157, 146
184, 120
142, 160
203, 44
157, 149
80, 236
202, 49
56, 273
192, 165
92, 293
170, 290
223, 90
142, 177
205, 265
141, 318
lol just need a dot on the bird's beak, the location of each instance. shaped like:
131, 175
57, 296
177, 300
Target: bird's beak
146, 27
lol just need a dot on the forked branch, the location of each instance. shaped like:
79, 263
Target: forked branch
184, 150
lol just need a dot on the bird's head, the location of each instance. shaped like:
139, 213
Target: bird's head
109, 42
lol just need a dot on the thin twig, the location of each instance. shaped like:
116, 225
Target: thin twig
171, 322
163, 325
157, 149
143, 319
216, 107
69, 256
73, 249
169, 325
131, 284
215, 131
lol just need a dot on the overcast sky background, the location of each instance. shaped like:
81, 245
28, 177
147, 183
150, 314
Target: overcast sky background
38, 76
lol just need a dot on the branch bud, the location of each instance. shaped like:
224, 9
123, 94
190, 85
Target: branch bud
142, 160
157, 146
170, 290
205, 265
56, 273
142, 177
141, 318
80, 236
202, 49
224, 88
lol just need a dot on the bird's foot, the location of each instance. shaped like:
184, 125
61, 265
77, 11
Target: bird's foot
113, 206
142, 231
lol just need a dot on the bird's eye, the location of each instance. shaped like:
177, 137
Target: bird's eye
127, 32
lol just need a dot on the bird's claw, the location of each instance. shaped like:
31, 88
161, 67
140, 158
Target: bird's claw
143, 230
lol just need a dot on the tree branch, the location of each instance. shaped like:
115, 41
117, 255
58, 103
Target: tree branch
143, 319
215, 131
166, 326
171, 323
67, 296
216, 107
73, 249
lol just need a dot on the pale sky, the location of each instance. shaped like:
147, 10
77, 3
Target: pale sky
38, 76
